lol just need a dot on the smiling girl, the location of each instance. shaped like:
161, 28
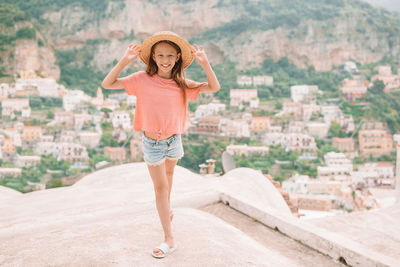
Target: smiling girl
162, 93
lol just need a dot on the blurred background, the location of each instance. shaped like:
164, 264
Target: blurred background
299, 79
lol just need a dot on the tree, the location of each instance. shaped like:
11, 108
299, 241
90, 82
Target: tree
54, 183
108, 140
106, 110
50, 114
336, 131
377, 87
278, 105
106, 126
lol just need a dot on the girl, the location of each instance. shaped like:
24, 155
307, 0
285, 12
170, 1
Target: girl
162, 93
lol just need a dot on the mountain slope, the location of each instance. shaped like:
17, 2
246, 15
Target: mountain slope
308, 32
391, 5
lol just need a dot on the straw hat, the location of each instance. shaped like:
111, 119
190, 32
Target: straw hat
186, 48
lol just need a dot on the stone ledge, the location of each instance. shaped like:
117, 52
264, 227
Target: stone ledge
328, 243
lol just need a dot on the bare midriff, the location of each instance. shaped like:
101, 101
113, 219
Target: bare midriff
155, 135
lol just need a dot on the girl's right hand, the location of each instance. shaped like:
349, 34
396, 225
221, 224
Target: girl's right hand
132, 53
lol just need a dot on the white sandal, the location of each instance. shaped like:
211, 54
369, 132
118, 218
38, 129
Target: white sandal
164, 247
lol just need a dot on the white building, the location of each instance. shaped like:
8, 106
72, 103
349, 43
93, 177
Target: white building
337, 158
263, 80
309, 109
10, 172
73, 98
67, 136
247, 150
45, 86
26, 161
6, 90
244, 80
292, 141
274, 129
209, 109
317, 129
302, 184
295, 127
64, 117
234, 128
331, 113
366, 178
99, 102
255, 80
90, 139
300, 93
131, 100
26, 112
350, 67
14, 135
297, 184
73, 152
47, 138
337, 167
276, 138
121, 119
383, 169
118, 96
10, 105
246, 116
81, 119
239, 96
46, 148
334, 173
290, 109
396, 138
303, 143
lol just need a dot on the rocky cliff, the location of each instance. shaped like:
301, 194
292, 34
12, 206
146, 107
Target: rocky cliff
239, 31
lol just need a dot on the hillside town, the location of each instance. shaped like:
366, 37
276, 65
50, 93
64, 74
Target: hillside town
49, 132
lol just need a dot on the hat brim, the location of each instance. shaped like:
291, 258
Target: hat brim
186, 48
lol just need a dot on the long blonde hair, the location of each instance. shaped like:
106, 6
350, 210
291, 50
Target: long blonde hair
178, 73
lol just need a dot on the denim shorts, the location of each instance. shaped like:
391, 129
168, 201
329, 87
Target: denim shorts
155, 152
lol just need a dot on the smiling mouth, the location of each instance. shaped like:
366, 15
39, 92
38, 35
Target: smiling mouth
165, 66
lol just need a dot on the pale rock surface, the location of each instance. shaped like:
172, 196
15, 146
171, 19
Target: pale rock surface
109, 218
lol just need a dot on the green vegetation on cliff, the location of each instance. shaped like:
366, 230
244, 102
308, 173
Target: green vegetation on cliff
290, 14
36, 8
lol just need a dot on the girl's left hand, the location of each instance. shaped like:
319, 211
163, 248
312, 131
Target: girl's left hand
200, 55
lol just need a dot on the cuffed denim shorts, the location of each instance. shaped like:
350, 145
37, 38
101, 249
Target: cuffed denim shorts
155, 152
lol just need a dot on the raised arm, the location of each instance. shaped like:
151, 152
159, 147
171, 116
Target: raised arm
212, 85
111, 81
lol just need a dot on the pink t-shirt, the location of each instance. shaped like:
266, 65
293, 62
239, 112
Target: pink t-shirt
159, 102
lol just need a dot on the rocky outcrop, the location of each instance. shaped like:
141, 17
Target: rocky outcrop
26, 54
251, 48
29, 56
322, 44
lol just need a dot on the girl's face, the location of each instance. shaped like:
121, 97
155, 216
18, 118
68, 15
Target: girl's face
165, 56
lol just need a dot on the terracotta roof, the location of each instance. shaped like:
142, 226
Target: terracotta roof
114, 149
260, 118
342, 140
384, 164
32, 127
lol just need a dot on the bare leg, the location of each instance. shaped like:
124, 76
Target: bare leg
161, 187
169, 170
